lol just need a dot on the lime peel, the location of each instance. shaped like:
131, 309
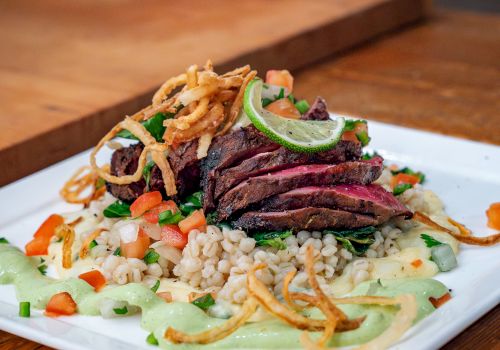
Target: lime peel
297, 135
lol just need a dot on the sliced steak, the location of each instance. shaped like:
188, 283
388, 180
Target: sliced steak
371, 199
303, 219
228, 150
183, 161
280, 159
318, 111
186, 167
258, 188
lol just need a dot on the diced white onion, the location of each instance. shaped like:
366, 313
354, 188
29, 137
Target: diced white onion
127, 230
272, 91
169, 253
152, 230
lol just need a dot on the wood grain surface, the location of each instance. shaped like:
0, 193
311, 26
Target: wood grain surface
70, 70
442, 75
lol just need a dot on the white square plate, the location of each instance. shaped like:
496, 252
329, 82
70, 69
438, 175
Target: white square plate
465, 174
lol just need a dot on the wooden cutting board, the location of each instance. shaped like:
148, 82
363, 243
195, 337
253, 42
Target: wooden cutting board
70, 70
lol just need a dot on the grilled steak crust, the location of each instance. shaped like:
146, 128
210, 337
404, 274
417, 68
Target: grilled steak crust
228, 150
280, 159
256, 189
317, 111
303, 219
371, 199
183, 161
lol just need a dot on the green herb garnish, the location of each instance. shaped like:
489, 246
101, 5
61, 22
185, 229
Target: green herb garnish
42, 269
151, 257
272, 239
280, 95
146, 173
3, 240
350, 124
430, 241
24, 309
356, 241
117, 252
151, 339
368, 156
401, 188
154, 125
196, 199
302, 106
406, 170
117, 210
92, 244
204, 302
100, 183
169, 218
211, 218
156, 286
266, 101
121, 311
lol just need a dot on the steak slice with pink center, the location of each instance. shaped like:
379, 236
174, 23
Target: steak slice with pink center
257, 188
304, 219
364, 199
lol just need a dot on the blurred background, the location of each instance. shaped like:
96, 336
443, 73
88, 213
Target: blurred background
70, 70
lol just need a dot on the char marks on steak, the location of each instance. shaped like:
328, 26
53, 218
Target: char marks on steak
183, 161
229, 150
303, 219
255, 189
280, 159
317, 111
370, 199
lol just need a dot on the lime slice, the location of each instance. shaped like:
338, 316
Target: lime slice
297, 135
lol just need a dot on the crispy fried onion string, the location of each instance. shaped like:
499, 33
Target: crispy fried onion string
67, 233
464, 237
83, 179
231, 325
157, 151
84, 250
167, 87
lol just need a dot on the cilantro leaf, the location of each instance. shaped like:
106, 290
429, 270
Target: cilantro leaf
154, 125
121, 311
204, 302
355, 241
117, 210
146, 173
430, 241
42, 269
272, 239
3, 240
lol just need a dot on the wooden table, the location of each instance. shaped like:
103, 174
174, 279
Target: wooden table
442, 75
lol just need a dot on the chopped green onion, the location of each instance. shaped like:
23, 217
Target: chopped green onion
3, 240
100, 183
146, 173
444, 257
351, 124
24, 309
280, 95
156, 286
121, 311
430, 241
117, 252
302, 106
292, 98
151, 257
204, 302
195, 199
169, 218
401, 188
187, 208
151, 339
42, 269
117, 210
363, 138
92, 244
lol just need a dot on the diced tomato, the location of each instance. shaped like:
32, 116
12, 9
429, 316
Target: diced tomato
195, 220
145, 202
284, 108
95, 278
136, 249
172, 235
440, 301
280, 78
417, 263
152, 214
493, 214
402, 178
61, 304
41, 239
167, 296
351, 135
